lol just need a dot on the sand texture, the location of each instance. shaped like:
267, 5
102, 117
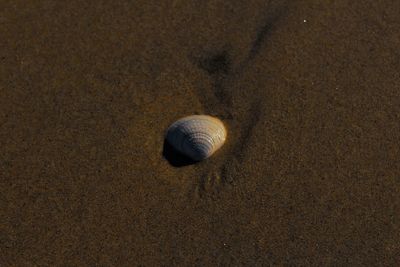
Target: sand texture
309, 91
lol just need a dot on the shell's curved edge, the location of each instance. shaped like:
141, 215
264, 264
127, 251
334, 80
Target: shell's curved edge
197, 136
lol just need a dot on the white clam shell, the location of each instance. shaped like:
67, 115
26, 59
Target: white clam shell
197, 136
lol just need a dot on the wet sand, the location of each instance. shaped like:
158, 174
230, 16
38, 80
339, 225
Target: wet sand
309, 92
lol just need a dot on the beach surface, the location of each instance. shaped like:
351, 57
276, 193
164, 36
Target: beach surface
309, 91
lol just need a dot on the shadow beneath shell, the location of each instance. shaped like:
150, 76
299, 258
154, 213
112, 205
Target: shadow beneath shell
174, 157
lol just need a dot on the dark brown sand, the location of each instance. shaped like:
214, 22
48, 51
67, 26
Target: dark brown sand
310, 93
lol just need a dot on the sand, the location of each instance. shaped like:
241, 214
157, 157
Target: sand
309, 92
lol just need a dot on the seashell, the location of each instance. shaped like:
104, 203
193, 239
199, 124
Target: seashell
197, 136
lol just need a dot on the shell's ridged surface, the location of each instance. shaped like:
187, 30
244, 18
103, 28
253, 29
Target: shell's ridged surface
197, 136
